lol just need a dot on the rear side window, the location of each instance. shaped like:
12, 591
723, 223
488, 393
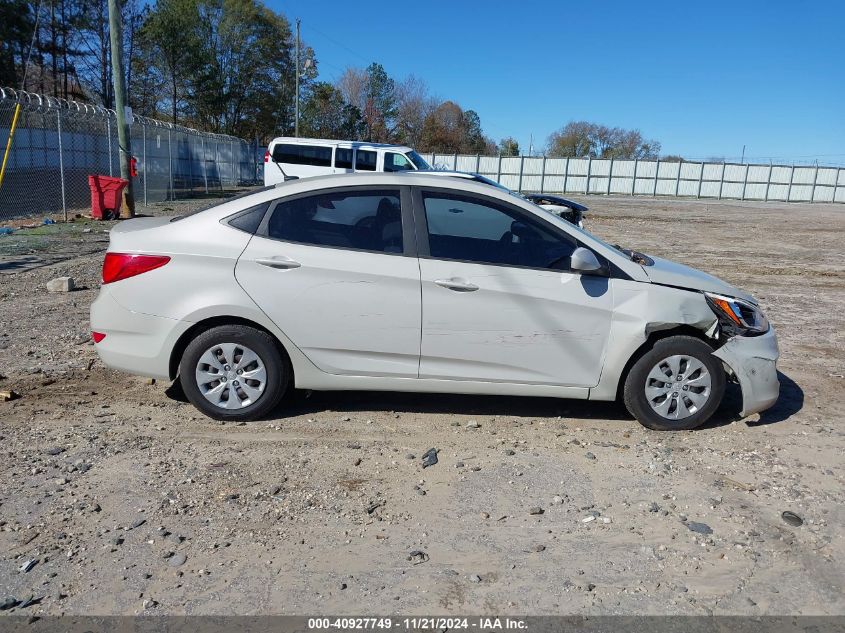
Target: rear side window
365, 160
314, 155
367, 220
249, 219
343, 157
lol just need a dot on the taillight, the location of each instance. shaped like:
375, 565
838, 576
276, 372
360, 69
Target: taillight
97, 336
266, 156
119, 266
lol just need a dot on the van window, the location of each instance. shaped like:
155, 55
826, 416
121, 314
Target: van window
396, 162
368, 220
314, 155
343, 157
365, 160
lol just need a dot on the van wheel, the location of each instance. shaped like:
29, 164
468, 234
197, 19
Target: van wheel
675, 386
234, 372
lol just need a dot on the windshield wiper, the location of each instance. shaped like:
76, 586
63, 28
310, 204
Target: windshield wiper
635, 256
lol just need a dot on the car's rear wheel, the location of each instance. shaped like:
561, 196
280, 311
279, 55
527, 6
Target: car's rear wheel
677, 385
234, 372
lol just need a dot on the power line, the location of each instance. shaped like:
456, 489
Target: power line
340, 44
31, 45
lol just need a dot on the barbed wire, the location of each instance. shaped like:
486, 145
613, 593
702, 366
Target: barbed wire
35, 102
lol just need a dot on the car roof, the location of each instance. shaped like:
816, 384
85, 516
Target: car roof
416, 178
444, 172
466, 175
328, 141
397, 178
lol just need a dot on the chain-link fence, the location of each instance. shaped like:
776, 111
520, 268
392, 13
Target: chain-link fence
58, 143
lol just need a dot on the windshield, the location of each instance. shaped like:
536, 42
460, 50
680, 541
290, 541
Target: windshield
498, 185
417, 160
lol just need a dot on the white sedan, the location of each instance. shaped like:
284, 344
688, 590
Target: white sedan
412, 282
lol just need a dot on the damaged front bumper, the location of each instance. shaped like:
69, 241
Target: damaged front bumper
752, 360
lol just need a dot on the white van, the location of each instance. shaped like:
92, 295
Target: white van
288, 157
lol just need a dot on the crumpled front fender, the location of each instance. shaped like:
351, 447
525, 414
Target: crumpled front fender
752, 359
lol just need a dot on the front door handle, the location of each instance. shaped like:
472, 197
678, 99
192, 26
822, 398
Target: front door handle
282, 262
456, 284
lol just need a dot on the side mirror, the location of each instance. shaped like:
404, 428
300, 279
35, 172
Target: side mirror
583, 260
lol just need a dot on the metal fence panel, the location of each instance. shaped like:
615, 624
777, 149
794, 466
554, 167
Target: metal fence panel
57, 144
654, 177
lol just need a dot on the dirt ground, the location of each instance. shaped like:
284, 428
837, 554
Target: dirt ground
129, 501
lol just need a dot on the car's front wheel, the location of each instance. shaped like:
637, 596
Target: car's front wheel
234, 372
677, 385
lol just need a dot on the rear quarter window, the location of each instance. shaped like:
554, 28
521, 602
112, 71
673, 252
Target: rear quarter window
248, 220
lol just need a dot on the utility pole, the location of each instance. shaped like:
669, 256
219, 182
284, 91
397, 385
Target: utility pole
296, 114
123, 142
742, 160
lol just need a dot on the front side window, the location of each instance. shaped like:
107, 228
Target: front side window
343, 157
479, 230
368, 220
396, 162
365, 160
314, 155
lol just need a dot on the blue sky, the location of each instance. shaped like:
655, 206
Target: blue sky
702, 78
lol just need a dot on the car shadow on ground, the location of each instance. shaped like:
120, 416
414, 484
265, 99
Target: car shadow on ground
303, 403
457, 404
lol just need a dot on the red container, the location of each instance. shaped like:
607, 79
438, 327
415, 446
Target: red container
106, 196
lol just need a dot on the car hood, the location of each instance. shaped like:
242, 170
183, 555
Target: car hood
669, 273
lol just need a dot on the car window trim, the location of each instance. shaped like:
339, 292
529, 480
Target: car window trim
409, 242
424, 251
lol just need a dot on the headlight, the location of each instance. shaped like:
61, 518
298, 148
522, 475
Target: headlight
737, 317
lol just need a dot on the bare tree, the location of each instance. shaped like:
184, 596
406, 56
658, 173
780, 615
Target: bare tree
582, 139
509, 147
353, 86
413, 105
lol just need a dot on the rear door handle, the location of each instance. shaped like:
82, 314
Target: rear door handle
458, 285
282, 262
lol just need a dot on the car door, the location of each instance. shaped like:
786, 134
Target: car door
499, 303
336, 270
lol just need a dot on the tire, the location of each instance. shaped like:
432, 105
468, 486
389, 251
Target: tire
689, 401
257, 378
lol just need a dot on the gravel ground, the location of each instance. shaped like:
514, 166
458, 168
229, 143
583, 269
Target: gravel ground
120, 498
